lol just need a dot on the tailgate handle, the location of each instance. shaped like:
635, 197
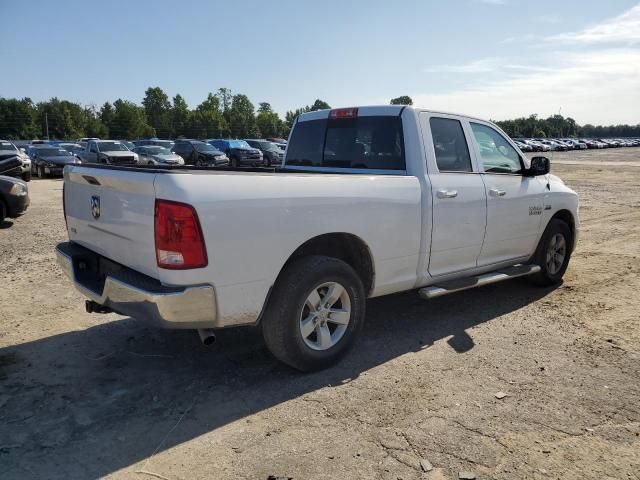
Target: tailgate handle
91, 180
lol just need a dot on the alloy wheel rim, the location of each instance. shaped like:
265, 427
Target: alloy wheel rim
325, 316
556, 253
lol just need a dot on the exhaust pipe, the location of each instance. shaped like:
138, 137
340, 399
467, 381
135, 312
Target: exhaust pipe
94, 307
207, 336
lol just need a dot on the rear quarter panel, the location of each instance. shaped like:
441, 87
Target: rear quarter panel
252, 223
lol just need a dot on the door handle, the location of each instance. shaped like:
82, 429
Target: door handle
446, 193
495, 192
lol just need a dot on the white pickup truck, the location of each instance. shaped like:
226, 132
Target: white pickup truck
370, 201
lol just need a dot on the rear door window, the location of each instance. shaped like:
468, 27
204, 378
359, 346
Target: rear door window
368, 142
450, 144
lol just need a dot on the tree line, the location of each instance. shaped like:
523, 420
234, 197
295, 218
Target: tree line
557, 126
222, 114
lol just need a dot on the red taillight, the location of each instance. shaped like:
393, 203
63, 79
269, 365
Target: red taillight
179, 240
343, 113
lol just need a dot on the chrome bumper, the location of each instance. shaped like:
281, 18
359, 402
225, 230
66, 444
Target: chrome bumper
136, 295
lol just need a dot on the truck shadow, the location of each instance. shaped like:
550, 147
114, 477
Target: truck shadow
87, 403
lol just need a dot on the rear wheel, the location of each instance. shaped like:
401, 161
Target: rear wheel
553, 253
315, 313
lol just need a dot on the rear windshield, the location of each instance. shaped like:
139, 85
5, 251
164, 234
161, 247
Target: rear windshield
373, 142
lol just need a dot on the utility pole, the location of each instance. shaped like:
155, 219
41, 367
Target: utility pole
46, 124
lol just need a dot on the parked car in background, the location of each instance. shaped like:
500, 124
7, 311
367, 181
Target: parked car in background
271, 153
575, 144
555, 146
154, 155
75, 148
108, 151
525, 147
128, 144
277, 140
202, 154
14, 197
47, 160
168, 144
9, 150
240, 153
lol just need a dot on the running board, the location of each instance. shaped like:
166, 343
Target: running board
452, 286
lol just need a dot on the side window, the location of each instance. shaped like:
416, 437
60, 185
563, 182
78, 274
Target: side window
450, 144
93, 148
498, 156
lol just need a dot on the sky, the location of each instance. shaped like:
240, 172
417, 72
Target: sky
494, 59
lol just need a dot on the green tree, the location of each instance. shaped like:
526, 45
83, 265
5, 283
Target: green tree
268, 121
402, 100
241, 118
106, 114
129, 121
207, 121
179, 116
18, 119
157, 109
225, 96
319, 105
64, 119
93, 125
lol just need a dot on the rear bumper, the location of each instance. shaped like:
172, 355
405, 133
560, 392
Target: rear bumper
131, 293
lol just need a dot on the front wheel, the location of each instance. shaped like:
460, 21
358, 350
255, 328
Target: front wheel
41, 173
26, 176
553, 253
315, 313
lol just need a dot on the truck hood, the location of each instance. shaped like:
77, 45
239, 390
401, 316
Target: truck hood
168, 158
117, 153
60, 160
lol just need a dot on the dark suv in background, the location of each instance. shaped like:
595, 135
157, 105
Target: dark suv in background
200, 153
240, 153
272, 154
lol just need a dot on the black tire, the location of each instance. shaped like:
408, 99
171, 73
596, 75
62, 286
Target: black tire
281, 320
3, 212
234, 162
26, 176
41, 173
551, 274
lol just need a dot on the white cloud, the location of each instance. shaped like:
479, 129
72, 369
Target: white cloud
482, 65
624, 28
593, 87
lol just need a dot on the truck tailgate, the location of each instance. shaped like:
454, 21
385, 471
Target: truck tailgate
112, 213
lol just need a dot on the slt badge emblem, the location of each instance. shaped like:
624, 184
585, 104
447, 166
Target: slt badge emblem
95, 206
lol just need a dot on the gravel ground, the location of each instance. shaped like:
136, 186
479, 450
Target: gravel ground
89, 396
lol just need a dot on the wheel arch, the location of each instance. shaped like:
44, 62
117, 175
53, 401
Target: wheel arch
567, 217
347, 247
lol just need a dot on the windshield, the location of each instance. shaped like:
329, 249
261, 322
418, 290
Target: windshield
8, 146
111, 147
238, 144
204, 147
53, 152
157, 151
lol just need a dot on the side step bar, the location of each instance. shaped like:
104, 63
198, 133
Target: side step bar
452, 286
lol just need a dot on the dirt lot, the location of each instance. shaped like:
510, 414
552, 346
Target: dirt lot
88, 396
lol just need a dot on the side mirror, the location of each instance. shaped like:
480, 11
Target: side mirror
539, 166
